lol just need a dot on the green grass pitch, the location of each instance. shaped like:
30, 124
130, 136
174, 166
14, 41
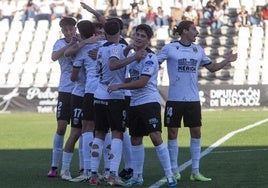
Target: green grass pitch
239, 161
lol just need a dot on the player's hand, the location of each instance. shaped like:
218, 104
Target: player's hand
94, 39
85, 6
113, 88
141, 54
232, 56
93, 53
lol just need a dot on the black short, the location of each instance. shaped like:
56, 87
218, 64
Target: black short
110, 114
64, 107
189, 111
144, 119
127, 100
76, 118
88, 107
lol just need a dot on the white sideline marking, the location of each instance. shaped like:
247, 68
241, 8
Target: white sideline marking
182, 167
239, 151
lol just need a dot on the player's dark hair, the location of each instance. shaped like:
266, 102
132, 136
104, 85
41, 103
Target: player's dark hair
148, 30
178, 29
98, 25
111, 27
67, 21
117, 20
86, 28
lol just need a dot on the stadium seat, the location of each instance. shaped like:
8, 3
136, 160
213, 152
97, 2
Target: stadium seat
30, 68
26, 36
230, 42
243, 32
24, 46
4, 27
20, 57
34, 57
202, 42
41, 79
264, 76
42, 26
230, 32
10, 46
203, 32
209, 40
210, 76
239, 77
16, 68
37, 46
4, 68
26, 79
203, 22
163, 75
257, 32
253, 76
6, 57
13, 80
16, 26
54, 79
55, 67
224, 75
162, 33
242, 53
43, 67
2, 79
216, 32
3, 37
29, 26
216, 42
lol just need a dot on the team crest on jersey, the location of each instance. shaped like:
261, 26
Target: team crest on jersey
115, 51
195, 49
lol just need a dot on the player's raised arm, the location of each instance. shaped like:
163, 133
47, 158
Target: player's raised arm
99, 17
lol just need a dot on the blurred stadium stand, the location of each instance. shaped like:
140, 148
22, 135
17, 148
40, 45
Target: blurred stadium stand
25, 53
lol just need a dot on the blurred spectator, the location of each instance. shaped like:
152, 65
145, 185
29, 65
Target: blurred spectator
111, 8
218, 18
265, 15
197, 6
161, 19
7, 11
44, 12
257, 17
242, 18
150, 18
74, 9
28, 12
134, 17
59, 8
209, 10
190, 14
176, 15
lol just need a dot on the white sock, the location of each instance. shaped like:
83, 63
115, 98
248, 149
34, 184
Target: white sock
138, 155
80, 152
87, 140
95, 160
195, 149
127, 153
163, 156
57, 150
66, 161
173, 150
116, 154
106, 150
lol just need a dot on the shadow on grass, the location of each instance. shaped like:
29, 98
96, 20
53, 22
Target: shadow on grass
229, 167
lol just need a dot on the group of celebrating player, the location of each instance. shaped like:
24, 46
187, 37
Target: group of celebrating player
107, 86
